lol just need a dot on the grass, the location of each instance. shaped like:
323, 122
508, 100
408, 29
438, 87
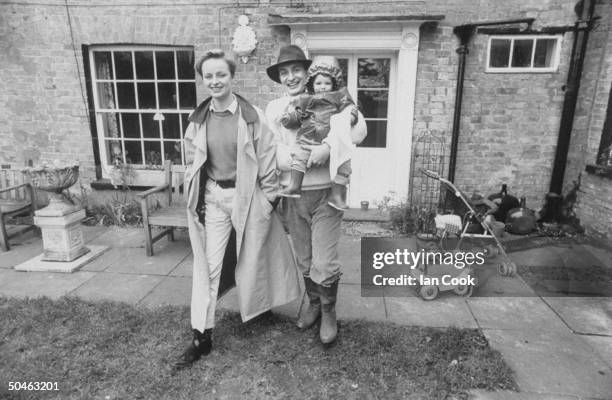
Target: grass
116, 351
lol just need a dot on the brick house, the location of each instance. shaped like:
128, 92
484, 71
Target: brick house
99, 83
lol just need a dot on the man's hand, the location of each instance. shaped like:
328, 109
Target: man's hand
319, 153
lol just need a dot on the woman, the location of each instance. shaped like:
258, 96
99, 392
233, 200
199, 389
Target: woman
313, 224
231, 182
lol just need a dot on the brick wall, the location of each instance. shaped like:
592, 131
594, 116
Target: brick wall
509, 121
595, 198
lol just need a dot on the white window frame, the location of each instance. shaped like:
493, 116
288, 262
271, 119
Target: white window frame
512, 38
144, 175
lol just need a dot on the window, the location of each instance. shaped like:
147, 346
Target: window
142, 98
368, 78
604, 155
523, 53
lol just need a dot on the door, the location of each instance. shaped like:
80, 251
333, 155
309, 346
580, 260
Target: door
369, 80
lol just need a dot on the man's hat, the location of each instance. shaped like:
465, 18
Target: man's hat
287, 55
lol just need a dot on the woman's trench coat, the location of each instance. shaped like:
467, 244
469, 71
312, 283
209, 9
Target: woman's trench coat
265, 272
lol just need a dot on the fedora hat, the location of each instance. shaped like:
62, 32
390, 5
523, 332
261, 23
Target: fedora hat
288, 54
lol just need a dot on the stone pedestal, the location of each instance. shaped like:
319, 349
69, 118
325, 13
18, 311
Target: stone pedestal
61, 233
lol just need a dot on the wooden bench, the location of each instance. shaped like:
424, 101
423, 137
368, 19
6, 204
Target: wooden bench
16, 199
169, 217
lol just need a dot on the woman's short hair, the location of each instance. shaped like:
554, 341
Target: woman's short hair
218, 54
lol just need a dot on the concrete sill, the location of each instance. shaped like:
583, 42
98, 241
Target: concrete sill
599, 170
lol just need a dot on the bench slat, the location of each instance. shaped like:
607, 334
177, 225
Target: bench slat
169, 216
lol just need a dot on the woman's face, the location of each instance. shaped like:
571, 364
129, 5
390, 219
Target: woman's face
217, 78
293, 78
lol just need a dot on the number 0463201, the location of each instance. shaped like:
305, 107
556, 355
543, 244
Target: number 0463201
30, 386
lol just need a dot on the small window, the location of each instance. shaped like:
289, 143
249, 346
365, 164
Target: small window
142, 97
523, 53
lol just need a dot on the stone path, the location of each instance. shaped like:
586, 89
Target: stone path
559, 347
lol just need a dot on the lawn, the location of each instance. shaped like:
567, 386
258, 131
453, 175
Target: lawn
117, 351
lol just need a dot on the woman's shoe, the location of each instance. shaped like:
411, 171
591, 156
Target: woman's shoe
201, 345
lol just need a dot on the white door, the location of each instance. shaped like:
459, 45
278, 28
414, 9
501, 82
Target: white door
369, 79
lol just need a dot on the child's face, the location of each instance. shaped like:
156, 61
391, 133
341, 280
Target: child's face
322, 83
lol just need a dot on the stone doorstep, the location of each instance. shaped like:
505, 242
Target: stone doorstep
38, 264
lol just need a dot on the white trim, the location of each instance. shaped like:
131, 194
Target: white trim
522, 70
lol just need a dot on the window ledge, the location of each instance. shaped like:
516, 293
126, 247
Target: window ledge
599, 170
105, 184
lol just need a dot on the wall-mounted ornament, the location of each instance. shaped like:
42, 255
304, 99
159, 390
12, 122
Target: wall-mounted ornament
244, 41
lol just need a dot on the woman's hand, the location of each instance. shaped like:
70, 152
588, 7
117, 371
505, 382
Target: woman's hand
319, 154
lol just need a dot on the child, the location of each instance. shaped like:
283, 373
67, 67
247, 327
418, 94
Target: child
311, 113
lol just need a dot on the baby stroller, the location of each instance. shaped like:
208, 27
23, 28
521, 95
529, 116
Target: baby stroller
453, 224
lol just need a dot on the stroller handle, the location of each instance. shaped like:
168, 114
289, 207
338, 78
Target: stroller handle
429, 173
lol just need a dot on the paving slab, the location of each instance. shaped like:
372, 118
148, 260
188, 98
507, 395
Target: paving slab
350, 304
604, 255
122, 237
105, 260
492, 284
135, 261
184, 268
39, 264
350, 256
36, 284
544, 256
129, 288
20, 252
526, 313
575, 255
92, 232
229, 301
601, 345
173, 290
553, 363
591, 315
444, 311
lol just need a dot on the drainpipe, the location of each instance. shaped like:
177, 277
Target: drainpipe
585, 10
465, 33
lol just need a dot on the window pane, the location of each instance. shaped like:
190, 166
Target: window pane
150, 127
144, 64
133, 152
123, 64
544, 53
521, 55
165, 64
373, 103
167, 95
185, 121
377, 134
113, 151
172, 152
170, 126
153, 153
187, 95
146, 95
500, 53
343, 62
373, 72
184, 61
106, 95
125, 90
104, 65
131, 125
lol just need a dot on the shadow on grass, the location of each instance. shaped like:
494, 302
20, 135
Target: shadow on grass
116, 351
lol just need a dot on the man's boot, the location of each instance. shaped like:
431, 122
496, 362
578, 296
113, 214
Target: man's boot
329, 326
312, 313
295, 185
337, 197
201, 345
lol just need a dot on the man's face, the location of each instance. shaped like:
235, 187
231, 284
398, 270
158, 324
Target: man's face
217, 78
293, 78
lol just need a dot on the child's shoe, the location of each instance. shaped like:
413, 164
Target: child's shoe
294, 189
337, 197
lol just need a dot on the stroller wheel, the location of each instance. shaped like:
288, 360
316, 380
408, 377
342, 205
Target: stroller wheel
502, 269
428, 292
507, 269
464, 290
512, 268
490, 251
